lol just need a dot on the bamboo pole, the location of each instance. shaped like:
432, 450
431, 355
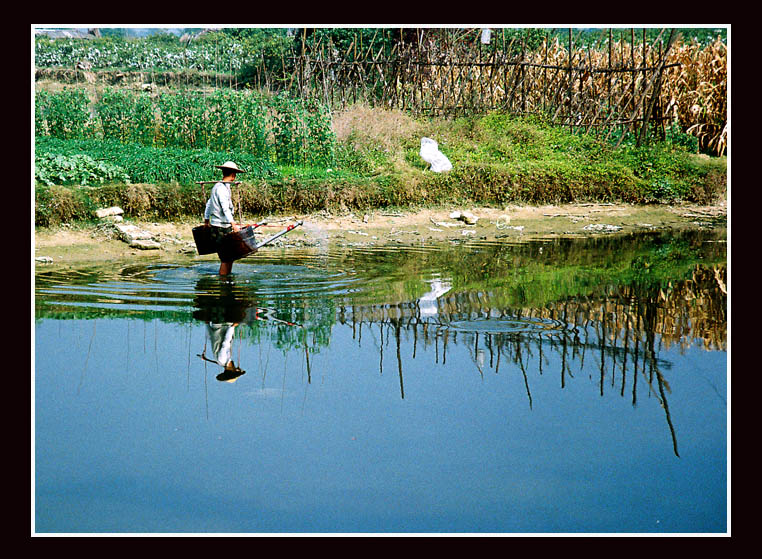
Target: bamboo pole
415, 80
654, 96
571, 128
545, 73
523, 76
610, 45
632, 66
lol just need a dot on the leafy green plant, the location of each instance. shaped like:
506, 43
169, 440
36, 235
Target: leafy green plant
149, 164
41, 101
76, 169
321, 139
287, 130
675, 136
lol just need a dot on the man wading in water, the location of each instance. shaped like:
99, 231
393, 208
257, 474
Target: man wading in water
219, 213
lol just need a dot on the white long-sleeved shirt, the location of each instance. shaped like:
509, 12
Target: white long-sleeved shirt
219, 208
221, 336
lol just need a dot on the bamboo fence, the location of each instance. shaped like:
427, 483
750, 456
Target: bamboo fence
621, 82
588, 89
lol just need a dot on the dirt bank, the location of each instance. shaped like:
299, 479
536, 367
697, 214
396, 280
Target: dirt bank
383, 227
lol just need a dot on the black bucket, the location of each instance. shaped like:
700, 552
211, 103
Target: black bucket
238, 244
235, 245
203, 237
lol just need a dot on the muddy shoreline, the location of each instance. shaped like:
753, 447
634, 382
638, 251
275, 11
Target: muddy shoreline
99, 242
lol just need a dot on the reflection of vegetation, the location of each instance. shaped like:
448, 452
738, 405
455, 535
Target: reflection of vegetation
527, 276
533, 274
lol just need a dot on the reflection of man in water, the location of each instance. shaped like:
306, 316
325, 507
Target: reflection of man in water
221, 338
221, 309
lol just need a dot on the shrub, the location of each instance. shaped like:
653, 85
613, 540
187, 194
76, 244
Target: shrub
54, 205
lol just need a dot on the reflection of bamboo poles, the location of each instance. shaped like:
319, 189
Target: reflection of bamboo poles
397, 330
630, 327
189, 358
307, 358
264, 315
516, 344
84, 367
688, 311
524, 373
664, 404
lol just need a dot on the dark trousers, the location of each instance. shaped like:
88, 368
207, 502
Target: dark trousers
218, 234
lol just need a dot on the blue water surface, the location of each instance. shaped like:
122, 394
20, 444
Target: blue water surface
372, 426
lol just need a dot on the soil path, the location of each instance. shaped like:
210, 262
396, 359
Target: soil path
382, 227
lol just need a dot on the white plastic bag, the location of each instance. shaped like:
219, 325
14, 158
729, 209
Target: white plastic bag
431, 155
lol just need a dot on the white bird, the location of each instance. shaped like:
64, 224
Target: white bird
431, 155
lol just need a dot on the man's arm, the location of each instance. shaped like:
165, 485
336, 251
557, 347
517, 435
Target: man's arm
227, 208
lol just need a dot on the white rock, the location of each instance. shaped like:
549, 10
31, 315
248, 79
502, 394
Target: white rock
128, 233
466, 217
106, 212
145, 244
602, 227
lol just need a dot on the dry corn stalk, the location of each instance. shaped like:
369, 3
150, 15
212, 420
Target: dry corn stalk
602, 90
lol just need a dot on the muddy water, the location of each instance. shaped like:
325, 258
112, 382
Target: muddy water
551, 387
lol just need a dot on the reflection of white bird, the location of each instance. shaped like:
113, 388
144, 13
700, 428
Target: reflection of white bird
428, 301
431, 155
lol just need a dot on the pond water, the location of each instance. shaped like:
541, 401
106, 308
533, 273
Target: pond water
560, 386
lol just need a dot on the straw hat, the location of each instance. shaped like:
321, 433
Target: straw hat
231, 373
230, 166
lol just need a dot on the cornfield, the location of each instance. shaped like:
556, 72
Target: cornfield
697, 92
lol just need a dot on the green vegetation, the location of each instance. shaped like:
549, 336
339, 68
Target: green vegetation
302, 158
272, 127
137, 163
238, 50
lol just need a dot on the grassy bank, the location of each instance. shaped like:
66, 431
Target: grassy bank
375, 164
